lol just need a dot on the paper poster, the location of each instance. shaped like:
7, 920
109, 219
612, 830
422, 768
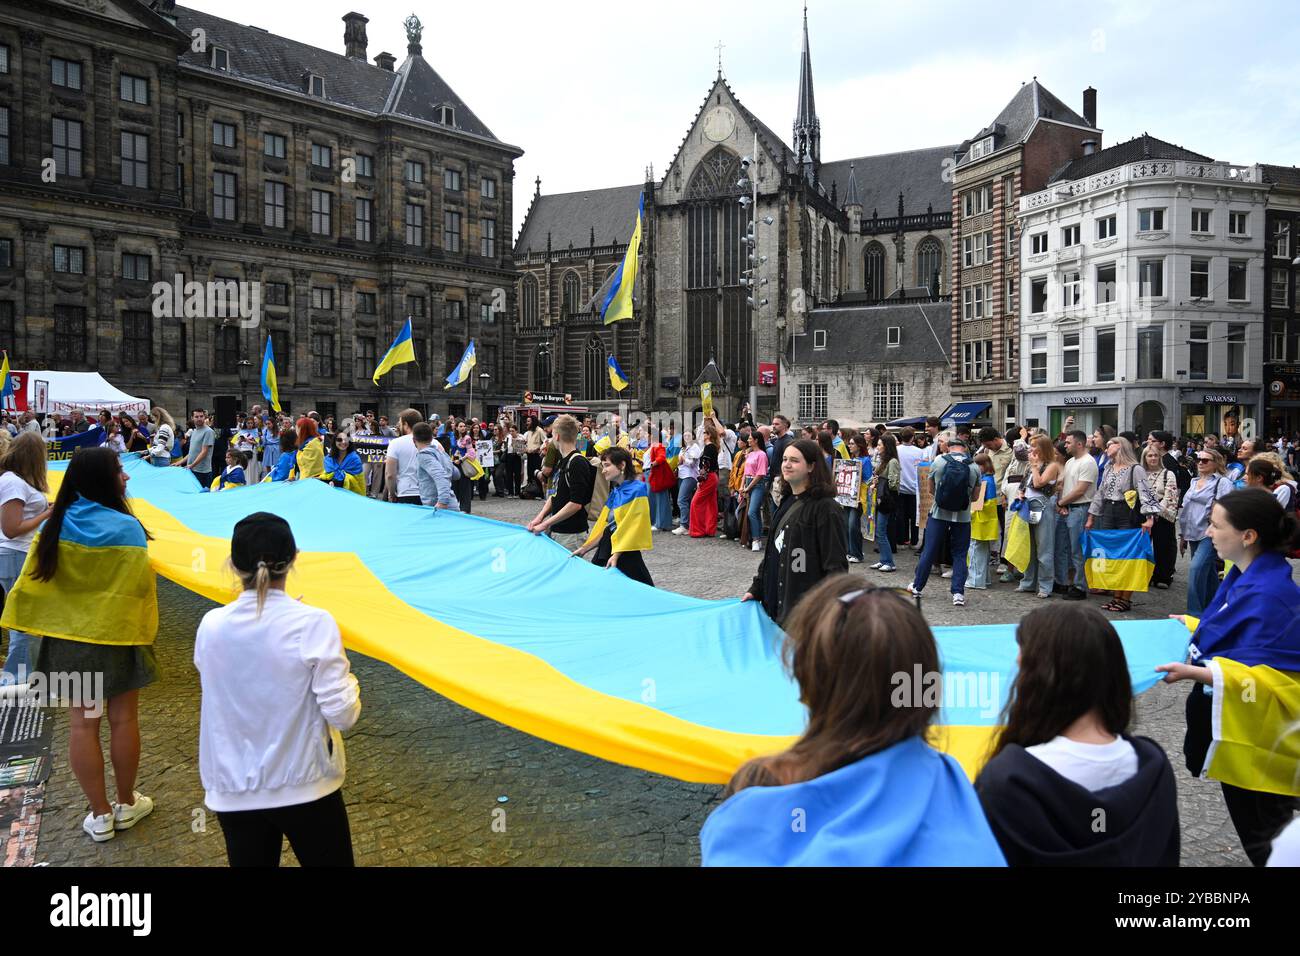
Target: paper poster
924, 494
848, 481
484, 451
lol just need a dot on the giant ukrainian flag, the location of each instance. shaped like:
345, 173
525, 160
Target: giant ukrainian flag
618, 302
720, 694
399, 353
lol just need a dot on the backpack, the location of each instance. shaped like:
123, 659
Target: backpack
953, 492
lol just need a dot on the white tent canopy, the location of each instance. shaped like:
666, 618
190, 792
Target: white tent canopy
85, 391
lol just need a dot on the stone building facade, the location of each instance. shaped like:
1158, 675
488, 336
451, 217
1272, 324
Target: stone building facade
346, 195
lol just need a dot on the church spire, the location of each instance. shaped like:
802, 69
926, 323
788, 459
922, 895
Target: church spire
807, 128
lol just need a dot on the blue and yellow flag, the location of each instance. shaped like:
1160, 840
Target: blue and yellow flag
627, 511
349, 472
1017, 549
1254, 741
1120, 560
618, 303
399, 353
101, 552
270, 384
461, 372
6, 385
616, 376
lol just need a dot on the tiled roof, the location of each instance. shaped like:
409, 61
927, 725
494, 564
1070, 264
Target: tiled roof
570, 218
1032, 101
917, 173
1134, 151
280, 62
1281, 175
857, 335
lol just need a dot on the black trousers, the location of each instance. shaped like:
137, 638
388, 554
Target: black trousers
464, 490
1164, 540
905, 520
514, 474
1256, 816
534, 464
317, 831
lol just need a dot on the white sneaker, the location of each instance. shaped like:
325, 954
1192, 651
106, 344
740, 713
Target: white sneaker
853, 560
878, 565
100, 828
913, 591
959, 600
756, 546
886, 568
946, 574
680, 529
126, 816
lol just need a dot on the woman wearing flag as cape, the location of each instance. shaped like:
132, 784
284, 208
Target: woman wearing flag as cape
343, 466
622, 531
1243, 718
89, 590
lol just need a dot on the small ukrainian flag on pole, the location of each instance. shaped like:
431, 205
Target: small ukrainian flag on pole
616, 376
7, 386
618, 303
270, 385
461, 372
399, 353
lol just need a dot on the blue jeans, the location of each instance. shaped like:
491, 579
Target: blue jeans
1039, 575
1069, 547
937, 531
853, 525
661, 509
977, 562
1202, 577
22, 647
685, 492
756, 494
882, 538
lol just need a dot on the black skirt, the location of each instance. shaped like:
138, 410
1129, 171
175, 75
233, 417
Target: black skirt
629, 562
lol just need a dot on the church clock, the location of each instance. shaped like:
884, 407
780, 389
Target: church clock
719, 124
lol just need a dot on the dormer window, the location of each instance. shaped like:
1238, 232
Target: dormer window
446, 115
894, 336
220, 58
819, 338
315, 85
981, 148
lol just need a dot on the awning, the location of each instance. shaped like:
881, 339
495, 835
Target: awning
905, 422
963, 413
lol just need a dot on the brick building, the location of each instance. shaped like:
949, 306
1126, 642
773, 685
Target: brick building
1033, 137
146, 143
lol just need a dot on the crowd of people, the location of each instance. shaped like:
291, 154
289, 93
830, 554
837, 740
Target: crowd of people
1064, 745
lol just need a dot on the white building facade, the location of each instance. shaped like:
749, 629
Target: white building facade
1143, 288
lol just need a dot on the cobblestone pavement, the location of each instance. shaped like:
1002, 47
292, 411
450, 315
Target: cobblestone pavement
425, 775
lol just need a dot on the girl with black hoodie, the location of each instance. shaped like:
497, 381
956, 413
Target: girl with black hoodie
1066, 786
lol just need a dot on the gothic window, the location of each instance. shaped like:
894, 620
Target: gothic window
873, 271
542, 368
842, 268
529, 302
718, 319
593, 369
929, 265
824, 263
572, 292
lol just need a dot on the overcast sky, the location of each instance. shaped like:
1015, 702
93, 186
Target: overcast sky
595, 91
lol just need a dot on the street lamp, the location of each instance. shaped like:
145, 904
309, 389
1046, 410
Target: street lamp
245, 373
483, 381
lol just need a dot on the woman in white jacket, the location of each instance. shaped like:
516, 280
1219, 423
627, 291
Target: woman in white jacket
163, 438
277, 691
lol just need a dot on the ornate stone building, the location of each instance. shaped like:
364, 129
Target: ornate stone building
142, 142
870, 228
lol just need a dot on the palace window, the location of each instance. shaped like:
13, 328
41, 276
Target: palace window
70, 259
414, 224
223, 134
414, 171
365, 165
223, 196
322, 355
273, 145
364, 360
137, 337
273, 205
365, 210
451, 231
67, 147
227, 349
70, 333
133, 89
136, 267
321, 204
487, 188
322, 156
65, 73
451, 180
487, 242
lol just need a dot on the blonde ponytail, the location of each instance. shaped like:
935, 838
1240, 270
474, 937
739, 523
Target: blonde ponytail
261, 580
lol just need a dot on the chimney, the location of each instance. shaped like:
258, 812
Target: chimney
354, 36
1090, 106
385, 61
1089, 147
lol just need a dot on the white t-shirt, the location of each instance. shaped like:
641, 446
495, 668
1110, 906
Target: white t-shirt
1091, 766
1286, 847
909, 456
403, 451
1080, 469
13, 488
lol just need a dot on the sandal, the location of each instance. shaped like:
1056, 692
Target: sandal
1118, 606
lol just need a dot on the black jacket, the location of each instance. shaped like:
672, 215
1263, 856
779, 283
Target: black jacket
813, 547
1042, 819
776, 450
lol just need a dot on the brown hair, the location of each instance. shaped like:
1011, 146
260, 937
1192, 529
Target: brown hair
985, 463
845, 655
410, 417
1046, 450
25, 456
820, 482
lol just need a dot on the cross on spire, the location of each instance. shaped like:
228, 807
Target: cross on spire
719, 48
